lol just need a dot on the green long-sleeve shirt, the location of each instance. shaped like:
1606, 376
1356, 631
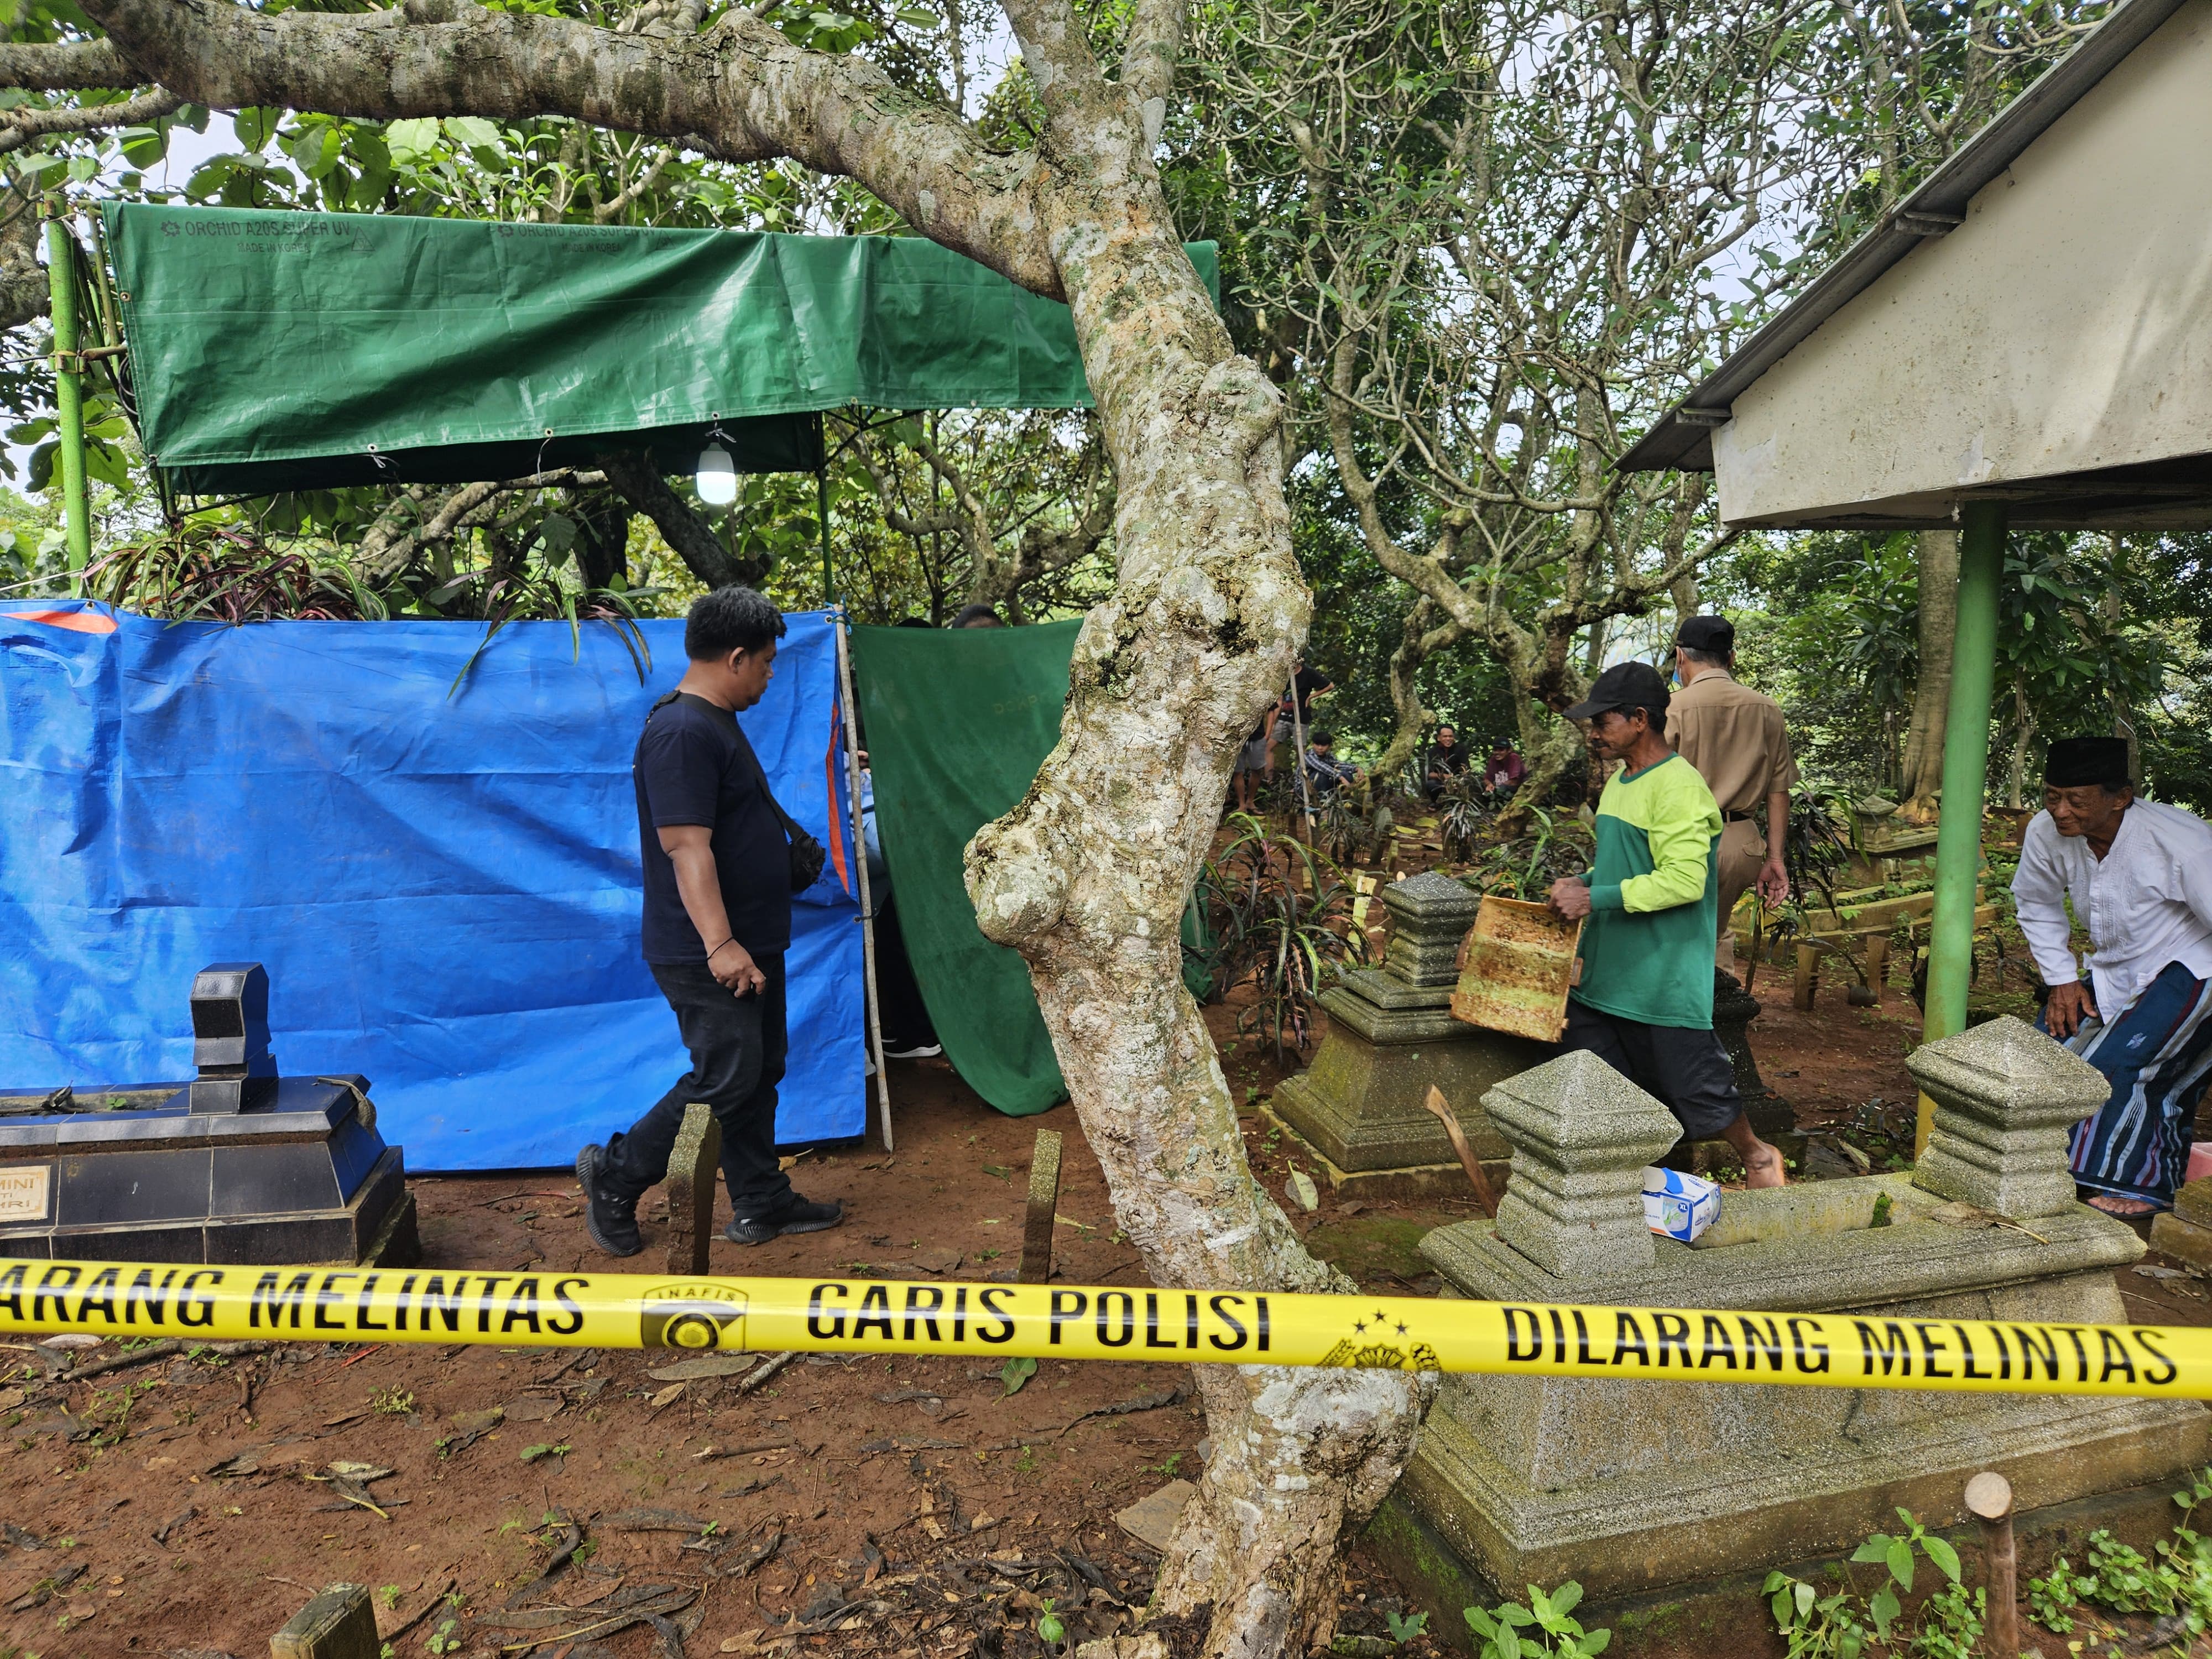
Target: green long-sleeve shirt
1647, 948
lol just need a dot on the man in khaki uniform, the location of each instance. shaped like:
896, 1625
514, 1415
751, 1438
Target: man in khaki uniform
1735, 738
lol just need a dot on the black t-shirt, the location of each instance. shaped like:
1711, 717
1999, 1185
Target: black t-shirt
1307, 681
693, 765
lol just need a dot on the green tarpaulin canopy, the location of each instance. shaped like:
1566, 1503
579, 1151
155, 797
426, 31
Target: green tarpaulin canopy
306, 350
958, 722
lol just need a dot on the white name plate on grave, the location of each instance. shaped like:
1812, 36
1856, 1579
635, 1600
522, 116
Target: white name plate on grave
23, 1192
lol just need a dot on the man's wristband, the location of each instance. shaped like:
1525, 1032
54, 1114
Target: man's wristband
717, 951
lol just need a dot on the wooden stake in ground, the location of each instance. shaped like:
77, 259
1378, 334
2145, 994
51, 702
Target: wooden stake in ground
339, 1623
1484, 1199
1989, 1496
693, 1163
1044, 1205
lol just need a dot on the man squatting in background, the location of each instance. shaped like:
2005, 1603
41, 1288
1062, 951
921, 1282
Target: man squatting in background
2140, 875
1644, 1004
718, 875
1734, 738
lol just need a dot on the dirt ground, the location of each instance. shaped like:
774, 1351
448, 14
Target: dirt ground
898, 1509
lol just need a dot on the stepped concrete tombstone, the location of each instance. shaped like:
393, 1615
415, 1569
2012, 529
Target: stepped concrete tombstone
237, 1165
1391, 1036
1642, 1491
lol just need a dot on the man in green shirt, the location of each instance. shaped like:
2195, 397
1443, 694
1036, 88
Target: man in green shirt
1644, 1002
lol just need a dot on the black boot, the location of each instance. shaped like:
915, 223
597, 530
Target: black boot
609, 1221
797, 1215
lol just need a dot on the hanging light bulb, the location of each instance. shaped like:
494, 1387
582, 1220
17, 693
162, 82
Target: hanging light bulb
717, 476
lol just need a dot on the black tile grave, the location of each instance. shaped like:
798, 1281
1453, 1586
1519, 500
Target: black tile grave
238, 1165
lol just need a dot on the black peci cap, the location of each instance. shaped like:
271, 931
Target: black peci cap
2072, 761
1714, 635
1625, 686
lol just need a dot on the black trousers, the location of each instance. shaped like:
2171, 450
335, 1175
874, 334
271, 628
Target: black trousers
738, 1049
1687, 1071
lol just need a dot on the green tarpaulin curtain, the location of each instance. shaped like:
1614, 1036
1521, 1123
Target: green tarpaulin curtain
958, 721
277, 350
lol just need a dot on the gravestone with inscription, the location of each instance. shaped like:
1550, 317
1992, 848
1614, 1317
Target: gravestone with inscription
238, 1165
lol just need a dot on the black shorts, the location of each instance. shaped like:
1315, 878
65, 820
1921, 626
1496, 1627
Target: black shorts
1687, 1071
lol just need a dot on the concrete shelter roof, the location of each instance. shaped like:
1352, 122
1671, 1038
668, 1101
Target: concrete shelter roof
2032, 324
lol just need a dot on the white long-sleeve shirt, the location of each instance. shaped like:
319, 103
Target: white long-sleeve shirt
2146, 903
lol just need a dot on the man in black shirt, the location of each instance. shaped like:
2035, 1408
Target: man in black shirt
717, 923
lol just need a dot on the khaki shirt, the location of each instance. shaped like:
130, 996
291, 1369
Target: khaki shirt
1734, 737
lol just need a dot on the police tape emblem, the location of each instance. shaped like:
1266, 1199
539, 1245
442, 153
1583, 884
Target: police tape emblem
698, 1315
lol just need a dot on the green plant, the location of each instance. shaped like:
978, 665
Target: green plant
392, 1402
1526, 867
1015, 1372
446, 1638
389, 1595
1406, 1627
1050, 1627
532, 1454
1543, 1627
1839, 1626
2119, 1579
1275, 914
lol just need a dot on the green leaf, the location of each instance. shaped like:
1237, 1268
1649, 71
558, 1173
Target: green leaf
256, 127
1882, 1607
1945, 1558
473, 130
1875, 1548
409, 141
1015, 1372
1596, 1643
1566, 1598
145, 147
1899, 1557
1479, 1621
915, 18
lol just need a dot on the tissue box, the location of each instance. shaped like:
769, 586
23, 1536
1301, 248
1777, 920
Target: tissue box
1679, 1205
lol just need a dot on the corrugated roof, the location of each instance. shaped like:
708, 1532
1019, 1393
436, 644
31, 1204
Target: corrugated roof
1683, 438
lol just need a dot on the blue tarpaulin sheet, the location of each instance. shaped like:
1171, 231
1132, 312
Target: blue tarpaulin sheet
444, 888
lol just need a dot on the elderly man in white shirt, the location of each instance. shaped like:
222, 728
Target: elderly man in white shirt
2139, 876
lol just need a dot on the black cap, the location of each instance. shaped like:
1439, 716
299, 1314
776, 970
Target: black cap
1713, 635
1625, 686
2073, 761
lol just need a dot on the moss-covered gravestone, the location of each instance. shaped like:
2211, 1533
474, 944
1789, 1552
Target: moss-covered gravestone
1646, 1491
1358, 1107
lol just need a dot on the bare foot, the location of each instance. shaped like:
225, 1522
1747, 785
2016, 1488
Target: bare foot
1762, 1167
2112, 1204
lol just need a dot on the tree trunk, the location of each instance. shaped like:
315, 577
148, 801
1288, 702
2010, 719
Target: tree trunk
2023, 734
1922, 775
1087, 878
1423, 638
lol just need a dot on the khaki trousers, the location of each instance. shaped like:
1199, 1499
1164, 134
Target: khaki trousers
1742, 851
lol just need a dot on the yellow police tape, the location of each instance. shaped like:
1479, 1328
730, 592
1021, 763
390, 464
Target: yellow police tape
1093, 1322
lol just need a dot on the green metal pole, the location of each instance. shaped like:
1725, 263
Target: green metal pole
1966, 766
68, 393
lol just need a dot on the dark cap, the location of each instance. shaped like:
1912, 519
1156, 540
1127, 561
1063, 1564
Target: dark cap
1713, 635
2073, 761
1625, 686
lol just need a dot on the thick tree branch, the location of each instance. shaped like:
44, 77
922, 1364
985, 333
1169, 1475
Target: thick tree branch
1148, 61
21, 125
741, 91
26, 292
640, 484
67, 66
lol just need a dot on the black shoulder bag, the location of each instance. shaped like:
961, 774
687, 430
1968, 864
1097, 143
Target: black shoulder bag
807, 857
